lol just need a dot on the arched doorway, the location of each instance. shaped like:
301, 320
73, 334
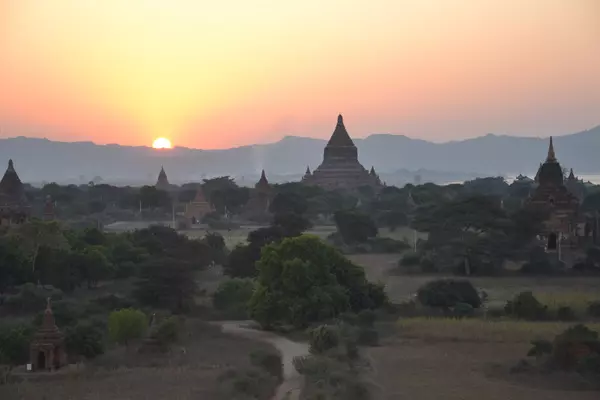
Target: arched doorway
552, 241
41, 360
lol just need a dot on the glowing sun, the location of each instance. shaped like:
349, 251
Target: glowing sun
161, 143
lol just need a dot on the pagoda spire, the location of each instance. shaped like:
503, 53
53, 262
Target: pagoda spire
551, 155
571, 175
307, 170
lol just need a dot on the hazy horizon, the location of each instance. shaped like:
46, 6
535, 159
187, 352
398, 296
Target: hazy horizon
218, 75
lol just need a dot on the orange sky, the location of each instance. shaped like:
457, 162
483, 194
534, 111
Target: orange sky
214, 74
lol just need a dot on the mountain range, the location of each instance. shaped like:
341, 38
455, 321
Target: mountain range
395, 157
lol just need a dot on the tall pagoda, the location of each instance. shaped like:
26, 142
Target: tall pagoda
162, 183
198, 207
258, 204
14, 207
340, 168
552, 196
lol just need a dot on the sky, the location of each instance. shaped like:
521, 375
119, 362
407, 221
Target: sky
219, 74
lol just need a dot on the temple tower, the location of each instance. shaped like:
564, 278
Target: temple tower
340, 168
47, 349
14, 207
258, 205
162, 183
562, 207
198, 208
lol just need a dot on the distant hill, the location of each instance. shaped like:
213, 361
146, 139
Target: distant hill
39, 160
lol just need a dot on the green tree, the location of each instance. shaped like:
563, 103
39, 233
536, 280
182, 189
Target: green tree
14, 343
94, 266
291, 224
166, 283
355, 227
302, 280
288, 203
126, 325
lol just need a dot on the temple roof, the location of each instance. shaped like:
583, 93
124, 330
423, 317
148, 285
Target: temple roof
340, 137
199, 198
262, 183
11, 187
162, 177
372, 172
550, 172
571, 175
307, 170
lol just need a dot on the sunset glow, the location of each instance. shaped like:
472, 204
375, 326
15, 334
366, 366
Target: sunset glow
162, 143
224, 74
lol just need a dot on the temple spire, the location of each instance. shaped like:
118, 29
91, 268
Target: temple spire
571, 175
307, 170
551, 155
11, 166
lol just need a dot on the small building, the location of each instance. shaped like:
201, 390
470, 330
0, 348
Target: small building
562, 207
14, 207
198, 207
340, 168
47, 349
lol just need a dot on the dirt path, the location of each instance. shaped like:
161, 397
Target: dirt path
292, 381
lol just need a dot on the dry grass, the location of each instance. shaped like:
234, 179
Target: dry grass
576, 300
478, 330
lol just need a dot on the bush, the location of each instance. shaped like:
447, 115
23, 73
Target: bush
446, 293
594, 309
14, 343
387, 245
526, 306
574, 345
366, 318
126, 325
250, 383
232, 297
84, 339
367, 336
323, 338
410, 259
167, 331
462, 310
565, 313
540, 348
270, 361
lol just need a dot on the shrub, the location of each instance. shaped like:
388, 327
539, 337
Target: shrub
84, 339
387, 245
410, 259
14, 343
594, 309
525, 306
126, 325
270, 361
367, 337
323, 338
366, 318
573, 345
540, 348
167, 331
250, 383
232, 296
462, 310
446, 293
565, 313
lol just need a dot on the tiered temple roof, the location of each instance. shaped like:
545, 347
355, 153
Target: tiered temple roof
14, 207
340, 168
162, 182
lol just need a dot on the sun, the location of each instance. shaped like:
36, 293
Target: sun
161, 143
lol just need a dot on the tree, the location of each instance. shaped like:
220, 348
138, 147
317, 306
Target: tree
151, 197
393, 219
126, 325
94, 266
166, 283
288, 203
291, 224
303, 280
35, 233
241, 262
354, 227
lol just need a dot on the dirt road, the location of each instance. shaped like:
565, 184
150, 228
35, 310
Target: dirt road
292, 381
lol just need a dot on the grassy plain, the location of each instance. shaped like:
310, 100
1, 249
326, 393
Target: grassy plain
188, 371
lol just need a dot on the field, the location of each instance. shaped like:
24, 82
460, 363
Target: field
187, 372
471, 359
